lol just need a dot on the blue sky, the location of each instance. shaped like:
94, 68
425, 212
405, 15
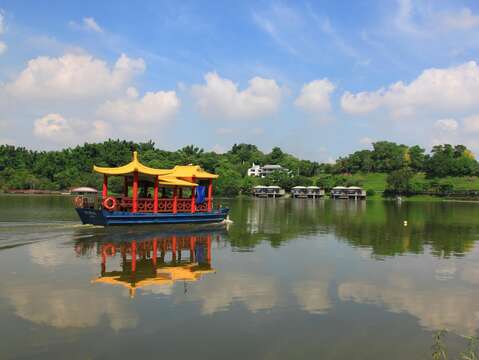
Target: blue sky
318, 78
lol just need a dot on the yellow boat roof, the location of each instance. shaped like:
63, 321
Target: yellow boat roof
190, 171
172, 181
130, 168
164, 276
166, 176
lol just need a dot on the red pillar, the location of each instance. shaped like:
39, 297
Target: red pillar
192, 248
210, 195
133, 256
193, 199
103, 260
208, 248
175, 199
155, 195
155, 250
173, 248
104, 192
135, 191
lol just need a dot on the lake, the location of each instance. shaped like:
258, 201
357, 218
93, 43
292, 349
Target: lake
288, 279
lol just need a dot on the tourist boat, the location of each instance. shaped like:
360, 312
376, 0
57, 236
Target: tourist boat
182, 195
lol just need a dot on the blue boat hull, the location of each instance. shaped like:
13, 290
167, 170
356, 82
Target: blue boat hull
105, 218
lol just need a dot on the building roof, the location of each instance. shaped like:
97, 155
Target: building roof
272, 167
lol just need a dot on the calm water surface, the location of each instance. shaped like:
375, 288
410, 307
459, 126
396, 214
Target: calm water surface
289, 279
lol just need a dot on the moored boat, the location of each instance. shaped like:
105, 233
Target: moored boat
180, 195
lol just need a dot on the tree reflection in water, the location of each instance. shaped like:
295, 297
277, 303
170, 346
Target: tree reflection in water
446, 228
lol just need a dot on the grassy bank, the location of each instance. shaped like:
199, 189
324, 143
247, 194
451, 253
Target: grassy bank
377, 181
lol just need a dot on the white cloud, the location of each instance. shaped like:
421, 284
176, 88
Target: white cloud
434, 308
257, 131
463, 20
450, 89
471, 123
424, 19
2, 22
276, 22
53, 127
73, 76
6, 141
90, 24
64, 308
315, 96
77, 97
153, 108
218, 149
403, 16
313, 296
257, 293
224, 131
446, 124
3, 45
221, 98
367, 141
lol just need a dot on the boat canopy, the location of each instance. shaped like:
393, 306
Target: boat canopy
179, 175
172, 181
191, 171
164, 276
130, 168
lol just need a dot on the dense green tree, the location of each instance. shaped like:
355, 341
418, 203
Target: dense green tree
21, 168
417, 157
446, 160
388, 156
399, 181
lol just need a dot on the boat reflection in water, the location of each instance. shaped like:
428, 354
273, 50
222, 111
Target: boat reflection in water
153, 261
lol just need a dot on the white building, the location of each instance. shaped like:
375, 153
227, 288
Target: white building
266, 170
254, 170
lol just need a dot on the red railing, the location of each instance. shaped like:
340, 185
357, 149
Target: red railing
183, 205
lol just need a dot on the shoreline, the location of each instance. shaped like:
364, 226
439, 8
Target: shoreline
376, 197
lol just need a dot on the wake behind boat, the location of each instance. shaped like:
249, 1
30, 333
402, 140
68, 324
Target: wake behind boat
182, 195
